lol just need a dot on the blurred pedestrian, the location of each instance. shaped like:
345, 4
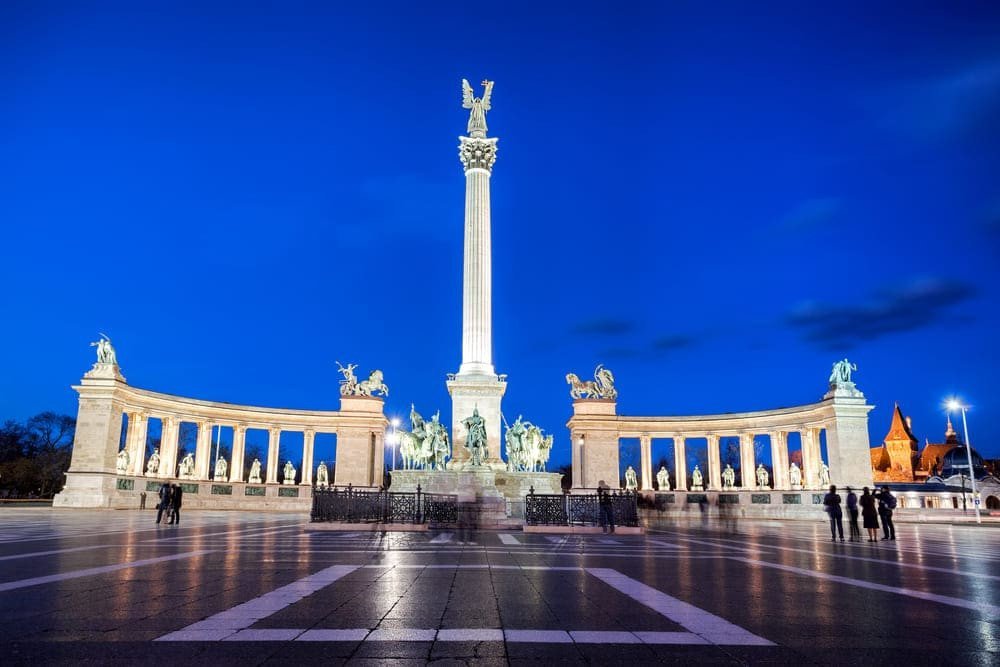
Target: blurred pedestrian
832, 502
175, 504
605, 507
164, 495
886, 504
142, 500
852, 513
869, 517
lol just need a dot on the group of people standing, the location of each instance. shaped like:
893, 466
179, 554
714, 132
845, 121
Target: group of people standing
873, 507
171, 497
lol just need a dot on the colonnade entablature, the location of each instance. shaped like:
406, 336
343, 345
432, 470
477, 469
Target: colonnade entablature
104, 397
842, 415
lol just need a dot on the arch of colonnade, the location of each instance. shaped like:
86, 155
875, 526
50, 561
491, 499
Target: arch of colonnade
595, 430
105, 396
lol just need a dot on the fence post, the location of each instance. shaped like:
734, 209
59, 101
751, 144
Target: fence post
419, 508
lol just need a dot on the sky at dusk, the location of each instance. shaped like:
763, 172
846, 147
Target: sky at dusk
715, 201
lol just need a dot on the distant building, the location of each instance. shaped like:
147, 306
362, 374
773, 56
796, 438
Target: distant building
943, 465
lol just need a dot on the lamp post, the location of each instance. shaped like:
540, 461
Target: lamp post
393, 439
955, 405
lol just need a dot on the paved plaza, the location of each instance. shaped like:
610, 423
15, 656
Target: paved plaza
240, 588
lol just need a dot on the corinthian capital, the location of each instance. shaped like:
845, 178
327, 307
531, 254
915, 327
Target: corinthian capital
477, 153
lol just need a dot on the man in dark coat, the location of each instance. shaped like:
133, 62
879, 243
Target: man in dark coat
164, 504
886, 504
175, 504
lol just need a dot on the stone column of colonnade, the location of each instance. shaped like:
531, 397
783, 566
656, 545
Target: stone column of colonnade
168, 446
680, 464
135, 439
779, 460
308, 441
748, 464
714, 463
239, 449
203, 450
811, 458
274, 436
646, 462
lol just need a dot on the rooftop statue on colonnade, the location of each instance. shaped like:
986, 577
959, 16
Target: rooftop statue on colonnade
107, 361
841, 373
350, 386
601, 387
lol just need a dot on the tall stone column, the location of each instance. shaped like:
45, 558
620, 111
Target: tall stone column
680, 463
239, 449
747, 462
308, 441
203, 450
646, 462
138, 424
779, 461
476, 386
168, 446
811, 458
714, 463
273, 441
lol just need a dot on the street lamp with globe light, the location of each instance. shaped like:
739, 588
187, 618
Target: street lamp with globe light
953, 405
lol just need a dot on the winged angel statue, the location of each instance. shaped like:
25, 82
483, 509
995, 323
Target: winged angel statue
479, 106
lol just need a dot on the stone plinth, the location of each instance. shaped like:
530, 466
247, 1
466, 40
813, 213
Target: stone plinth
598, 407
472, 392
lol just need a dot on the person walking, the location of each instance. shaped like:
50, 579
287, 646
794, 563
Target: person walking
869, 516
164, 495
607, 510
886, 504
832, 502
852, 513
175, 504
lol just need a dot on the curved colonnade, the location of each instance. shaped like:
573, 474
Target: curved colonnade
105, 396
595, 430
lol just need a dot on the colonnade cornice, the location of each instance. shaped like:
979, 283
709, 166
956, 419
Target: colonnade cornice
150, 404
799, 418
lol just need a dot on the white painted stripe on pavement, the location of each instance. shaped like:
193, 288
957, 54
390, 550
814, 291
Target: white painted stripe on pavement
56, 551
989, 609
448, 635
443, 538
715, 629
228, 623
608, 540
75, 574
507, 538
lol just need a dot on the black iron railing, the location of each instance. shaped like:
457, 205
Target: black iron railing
564, 509
352, 505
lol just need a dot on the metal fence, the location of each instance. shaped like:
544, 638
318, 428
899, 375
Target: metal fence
352, 505
563, 509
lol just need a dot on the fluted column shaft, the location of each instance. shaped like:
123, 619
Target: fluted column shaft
136, 442
308, 441
239, 447
646, 462
680, 464
748, 463
168, 446
779, 460
203, 450
714, 463
273, 440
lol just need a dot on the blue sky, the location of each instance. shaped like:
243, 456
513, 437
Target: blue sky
716, 202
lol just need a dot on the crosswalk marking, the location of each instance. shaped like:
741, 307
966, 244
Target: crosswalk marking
443, 538
507, 538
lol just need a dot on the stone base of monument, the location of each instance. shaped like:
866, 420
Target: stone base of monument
487, 498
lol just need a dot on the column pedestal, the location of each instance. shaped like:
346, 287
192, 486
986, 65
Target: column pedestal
468, 393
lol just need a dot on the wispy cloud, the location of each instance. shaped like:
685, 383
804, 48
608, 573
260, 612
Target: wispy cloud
938, 106
919, 304
605, 326
672, 342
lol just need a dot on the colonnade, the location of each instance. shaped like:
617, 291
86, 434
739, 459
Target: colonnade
779, 476
595, 430
359, 426
137, 435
